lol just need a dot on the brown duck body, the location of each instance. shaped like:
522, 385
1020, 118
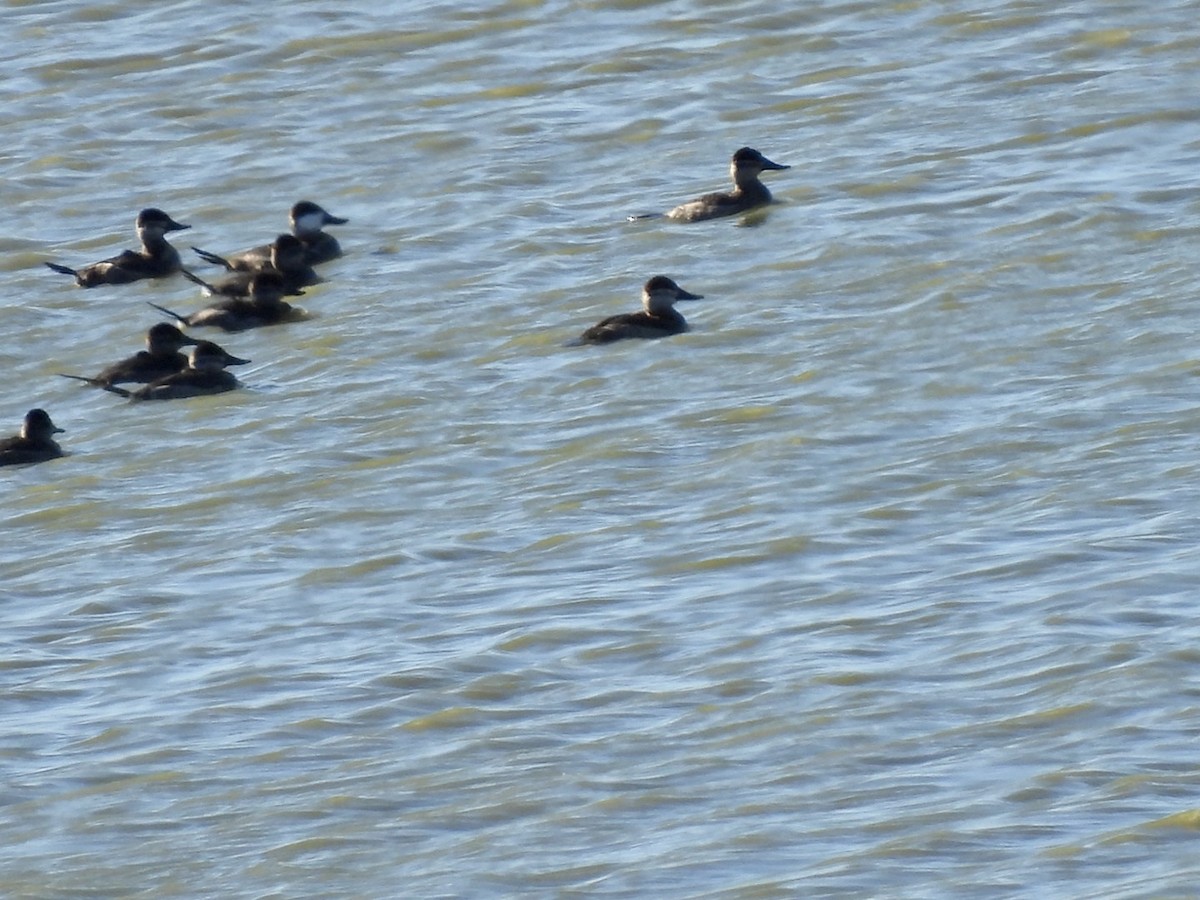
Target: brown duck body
635, 325
264, 306
188, 383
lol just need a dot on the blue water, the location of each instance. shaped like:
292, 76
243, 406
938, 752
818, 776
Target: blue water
877, 583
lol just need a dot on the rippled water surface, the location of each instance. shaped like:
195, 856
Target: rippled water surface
880, 582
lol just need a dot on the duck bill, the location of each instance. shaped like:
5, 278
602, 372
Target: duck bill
172, 225
687, 295
774, 166
236, 361
334, 220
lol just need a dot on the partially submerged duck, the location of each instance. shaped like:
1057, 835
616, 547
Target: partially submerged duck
658, 318
748, 192
264, 306
205, 374
306, 220
34, 444
156, 258
288, 257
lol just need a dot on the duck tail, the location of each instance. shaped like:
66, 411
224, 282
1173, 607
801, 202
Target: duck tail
213, 258
82, 378
196, 279
62, 270
173, 315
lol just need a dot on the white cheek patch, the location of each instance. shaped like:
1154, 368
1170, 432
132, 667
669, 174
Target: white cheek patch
310, 221
659, 302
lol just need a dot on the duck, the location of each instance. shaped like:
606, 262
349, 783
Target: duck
748, 192
160, 358
156, 258
264, 306
34, 444
306, 220
205, 374
657, 319
288, 258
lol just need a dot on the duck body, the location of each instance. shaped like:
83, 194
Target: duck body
155, 259
188, 383
748, 191
635, 325
34, 444
321, 247
657, 319
140, 368
237, 314
264, 306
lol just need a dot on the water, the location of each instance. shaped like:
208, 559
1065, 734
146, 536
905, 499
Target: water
877, 583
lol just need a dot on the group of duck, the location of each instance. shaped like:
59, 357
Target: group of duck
250, 295
252, 292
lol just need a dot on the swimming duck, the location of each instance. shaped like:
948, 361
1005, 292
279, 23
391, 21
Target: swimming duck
264, 306
160, 358
747, 194
205, 374
155, 259
306, 219
34, 444
658, 319
288, 258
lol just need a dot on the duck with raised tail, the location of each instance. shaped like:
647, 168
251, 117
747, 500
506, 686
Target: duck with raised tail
264, 306
155, 259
